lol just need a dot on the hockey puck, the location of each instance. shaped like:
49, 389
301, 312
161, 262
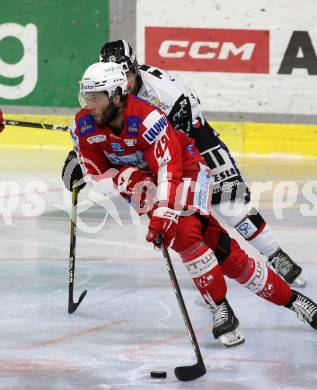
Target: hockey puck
158, 374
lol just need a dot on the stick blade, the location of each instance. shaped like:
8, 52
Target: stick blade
72, 306
189, 373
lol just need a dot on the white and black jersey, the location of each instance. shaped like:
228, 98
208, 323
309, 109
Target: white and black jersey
183, 109
178, 102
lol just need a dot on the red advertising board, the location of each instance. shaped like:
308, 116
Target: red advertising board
207, 49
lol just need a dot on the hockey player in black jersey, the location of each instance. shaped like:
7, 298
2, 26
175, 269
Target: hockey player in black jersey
184, 112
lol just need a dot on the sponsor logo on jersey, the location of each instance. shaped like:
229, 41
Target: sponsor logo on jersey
202, 195
117, 147
129, 142
229, 185
111, 135
86, 124
246, 228
154, 100
136, 159
225, 175
208, 50
96, 138
257, 281
191, 150
204, 281
156, 130
111, 59
202, 264
134, 123
158, 103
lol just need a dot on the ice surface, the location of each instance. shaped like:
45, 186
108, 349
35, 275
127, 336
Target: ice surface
129, 323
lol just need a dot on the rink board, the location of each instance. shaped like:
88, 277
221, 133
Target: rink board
243, 138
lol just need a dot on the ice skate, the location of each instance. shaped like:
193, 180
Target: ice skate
226, 325
286, 268
305, 308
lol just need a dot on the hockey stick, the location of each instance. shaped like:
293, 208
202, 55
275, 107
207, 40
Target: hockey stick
72, 306
39, 125
184, 373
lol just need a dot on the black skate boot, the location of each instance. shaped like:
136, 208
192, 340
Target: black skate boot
304, 307
225, 324
286, 268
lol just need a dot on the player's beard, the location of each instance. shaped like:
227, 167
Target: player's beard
109, 114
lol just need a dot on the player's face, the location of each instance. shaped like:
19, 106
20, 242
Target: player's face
132, 83
100, 107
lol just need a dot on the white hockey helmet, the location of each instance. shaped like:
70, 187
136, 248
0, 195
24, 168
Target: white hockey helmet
103, 76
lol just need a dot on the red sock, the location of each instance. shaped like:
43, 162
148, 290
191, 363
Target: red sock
255, 276
205, 271
276, 290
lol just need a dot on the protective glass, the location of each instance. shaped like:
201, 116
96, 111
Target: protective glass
85, 98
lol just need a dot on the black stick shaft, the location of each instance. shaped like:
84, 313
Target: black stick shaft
72, 248
38, 125
72, 306
181, 302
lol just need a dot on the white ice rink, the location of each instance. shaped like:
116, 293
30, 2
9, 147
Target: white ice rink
129, 323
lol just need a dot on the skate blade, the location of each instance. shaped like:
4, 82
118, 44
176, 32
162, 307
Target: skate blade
299, 282
231, 339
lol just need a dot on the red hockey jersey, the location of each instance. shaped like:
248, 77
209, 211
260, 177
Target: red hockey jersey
147, 141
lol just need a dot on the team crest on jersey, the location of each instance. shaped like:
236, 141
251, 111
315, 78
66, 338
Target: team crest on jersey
86, 124
134, 123
155, 131
117, 147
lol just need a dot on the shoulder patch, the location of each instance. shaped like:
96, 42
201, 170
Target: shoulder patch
86, 124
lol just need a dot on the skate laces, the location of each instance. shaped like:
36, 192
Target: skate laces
220, 315
304, 308
282, 263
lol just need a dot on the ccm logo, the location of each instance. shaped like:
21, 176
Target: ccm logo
211, 50
205, 50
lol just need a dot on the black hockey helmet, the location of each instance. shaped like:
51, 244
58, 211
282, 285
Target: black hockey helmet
121, 53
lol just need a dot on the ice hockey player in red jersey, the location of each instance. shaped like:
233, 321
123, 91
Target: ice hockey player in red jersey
1, 122
183, 110
116, 130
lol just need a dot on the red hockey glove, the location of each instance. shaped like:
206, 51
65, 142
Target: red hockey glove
163, 221
1, 122
137, 187
128, 180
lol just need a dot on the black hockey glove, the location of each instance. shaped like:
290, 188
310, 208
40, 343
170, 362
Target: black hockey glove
72, 172
181, 114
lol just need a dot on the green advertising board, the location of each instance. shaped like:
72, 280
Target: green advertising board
45, 46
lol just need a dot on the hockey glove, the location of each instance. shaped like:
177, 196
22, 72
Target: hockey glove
163, 221
72, 172
129, 180
1, 122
